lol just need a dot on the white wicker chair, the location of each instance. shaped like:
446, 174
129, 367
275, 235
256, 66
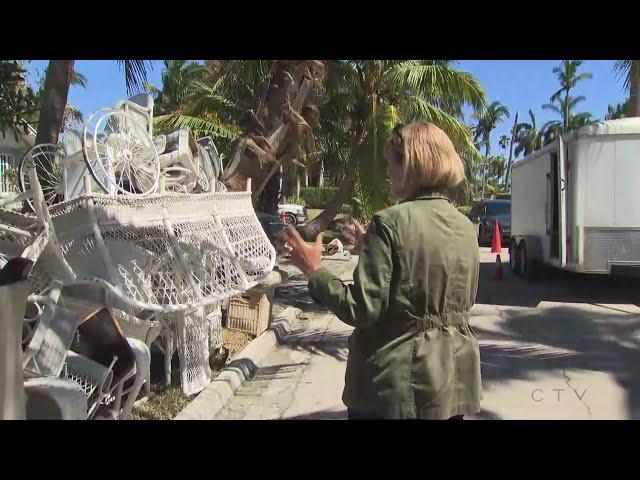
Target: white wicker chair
175, 255
47, 345
13, 296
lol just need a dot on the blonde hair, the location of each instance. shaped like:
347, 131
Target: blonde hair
429, 157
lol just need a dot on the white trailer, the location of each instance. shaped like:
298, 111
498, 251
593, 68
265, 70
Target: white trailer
575, 204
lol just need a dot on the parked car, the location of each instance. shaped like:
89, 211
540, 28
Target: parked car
293, 214
484, 215
271, 224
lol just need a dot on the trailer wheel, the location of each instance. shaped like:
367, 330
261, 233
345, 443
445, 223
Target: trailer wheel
527, 266
482, 241
514, 257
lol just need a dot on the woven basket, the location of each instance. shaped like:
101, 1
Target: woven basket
250, 312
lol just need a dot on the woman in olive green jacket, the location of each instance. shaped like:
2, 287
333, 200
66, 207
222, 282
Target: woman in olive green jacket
412, 353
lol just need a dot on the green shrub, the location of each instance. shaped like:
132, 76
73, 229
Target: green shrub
317, 197
464, 209
297, 201
503, 196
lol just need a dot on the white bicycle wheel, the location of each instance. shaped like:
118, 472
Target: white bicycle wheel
120, 153
47, 159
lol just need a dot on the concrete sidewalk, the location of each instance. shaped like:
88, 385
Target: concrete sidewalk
302, 378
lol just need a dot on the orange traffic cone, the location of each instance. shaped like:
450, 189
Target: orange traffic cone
496, 247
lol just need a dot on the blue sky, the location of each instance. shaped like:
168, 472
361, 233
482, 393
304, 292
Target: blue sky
518, 84
527, 84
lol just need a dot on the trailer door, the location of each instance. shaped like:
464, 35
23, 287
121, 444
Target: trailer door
562, 202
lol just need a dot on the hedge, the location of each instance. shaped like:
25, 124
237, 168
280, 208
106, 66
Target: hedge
317, 197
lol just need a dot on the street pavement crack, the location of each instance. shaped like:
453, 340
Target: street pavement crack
567, 380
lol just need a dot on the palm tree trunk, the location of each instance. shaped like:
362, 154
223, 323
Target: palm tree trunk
56, 91
54, 101
321, 177
513, 137
320, 223
289, 82
484, 166
634, 89
268, 202
566, 112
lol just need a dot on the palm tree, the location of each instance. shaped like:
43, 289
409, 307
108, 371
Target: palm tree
551, 130
18, 101
560, 106
496, 164
54, 99
243, 101
267, 102
495, 172
488, 119
568, 77
178, 77
72, 115
190, 96
580, 120
619, 111
365, 99
504, 142
629, 72
528, 137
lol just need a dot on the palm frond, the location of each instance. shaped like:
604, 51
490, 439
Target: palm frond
553, 108
417, 109
203, 98
78, 79
624, 69
200, 127
573, 101
430, 80
135, 74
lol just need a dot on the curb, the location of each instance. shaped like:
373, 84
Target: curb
220, 391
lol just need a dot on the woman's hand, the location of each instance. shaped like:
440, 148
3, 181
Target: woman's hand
353, 233
304, 256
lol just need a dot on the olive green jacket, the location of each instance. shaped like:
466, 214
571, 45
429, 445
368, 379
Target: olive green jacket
412, 353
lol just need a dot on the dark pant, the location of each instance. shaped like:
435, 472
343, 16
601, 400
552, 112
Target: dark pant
360, 415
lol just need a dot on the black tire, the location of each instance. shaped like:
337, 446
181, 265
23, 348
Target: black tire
481, 241
514, 258
528, 267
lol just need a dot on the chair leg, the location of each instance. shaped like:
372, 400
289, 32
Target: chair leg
142, 356
118, 401
168, 353
151, 336
147, 384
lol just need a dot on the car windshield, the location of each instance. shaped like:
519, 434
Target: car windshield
499, 208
